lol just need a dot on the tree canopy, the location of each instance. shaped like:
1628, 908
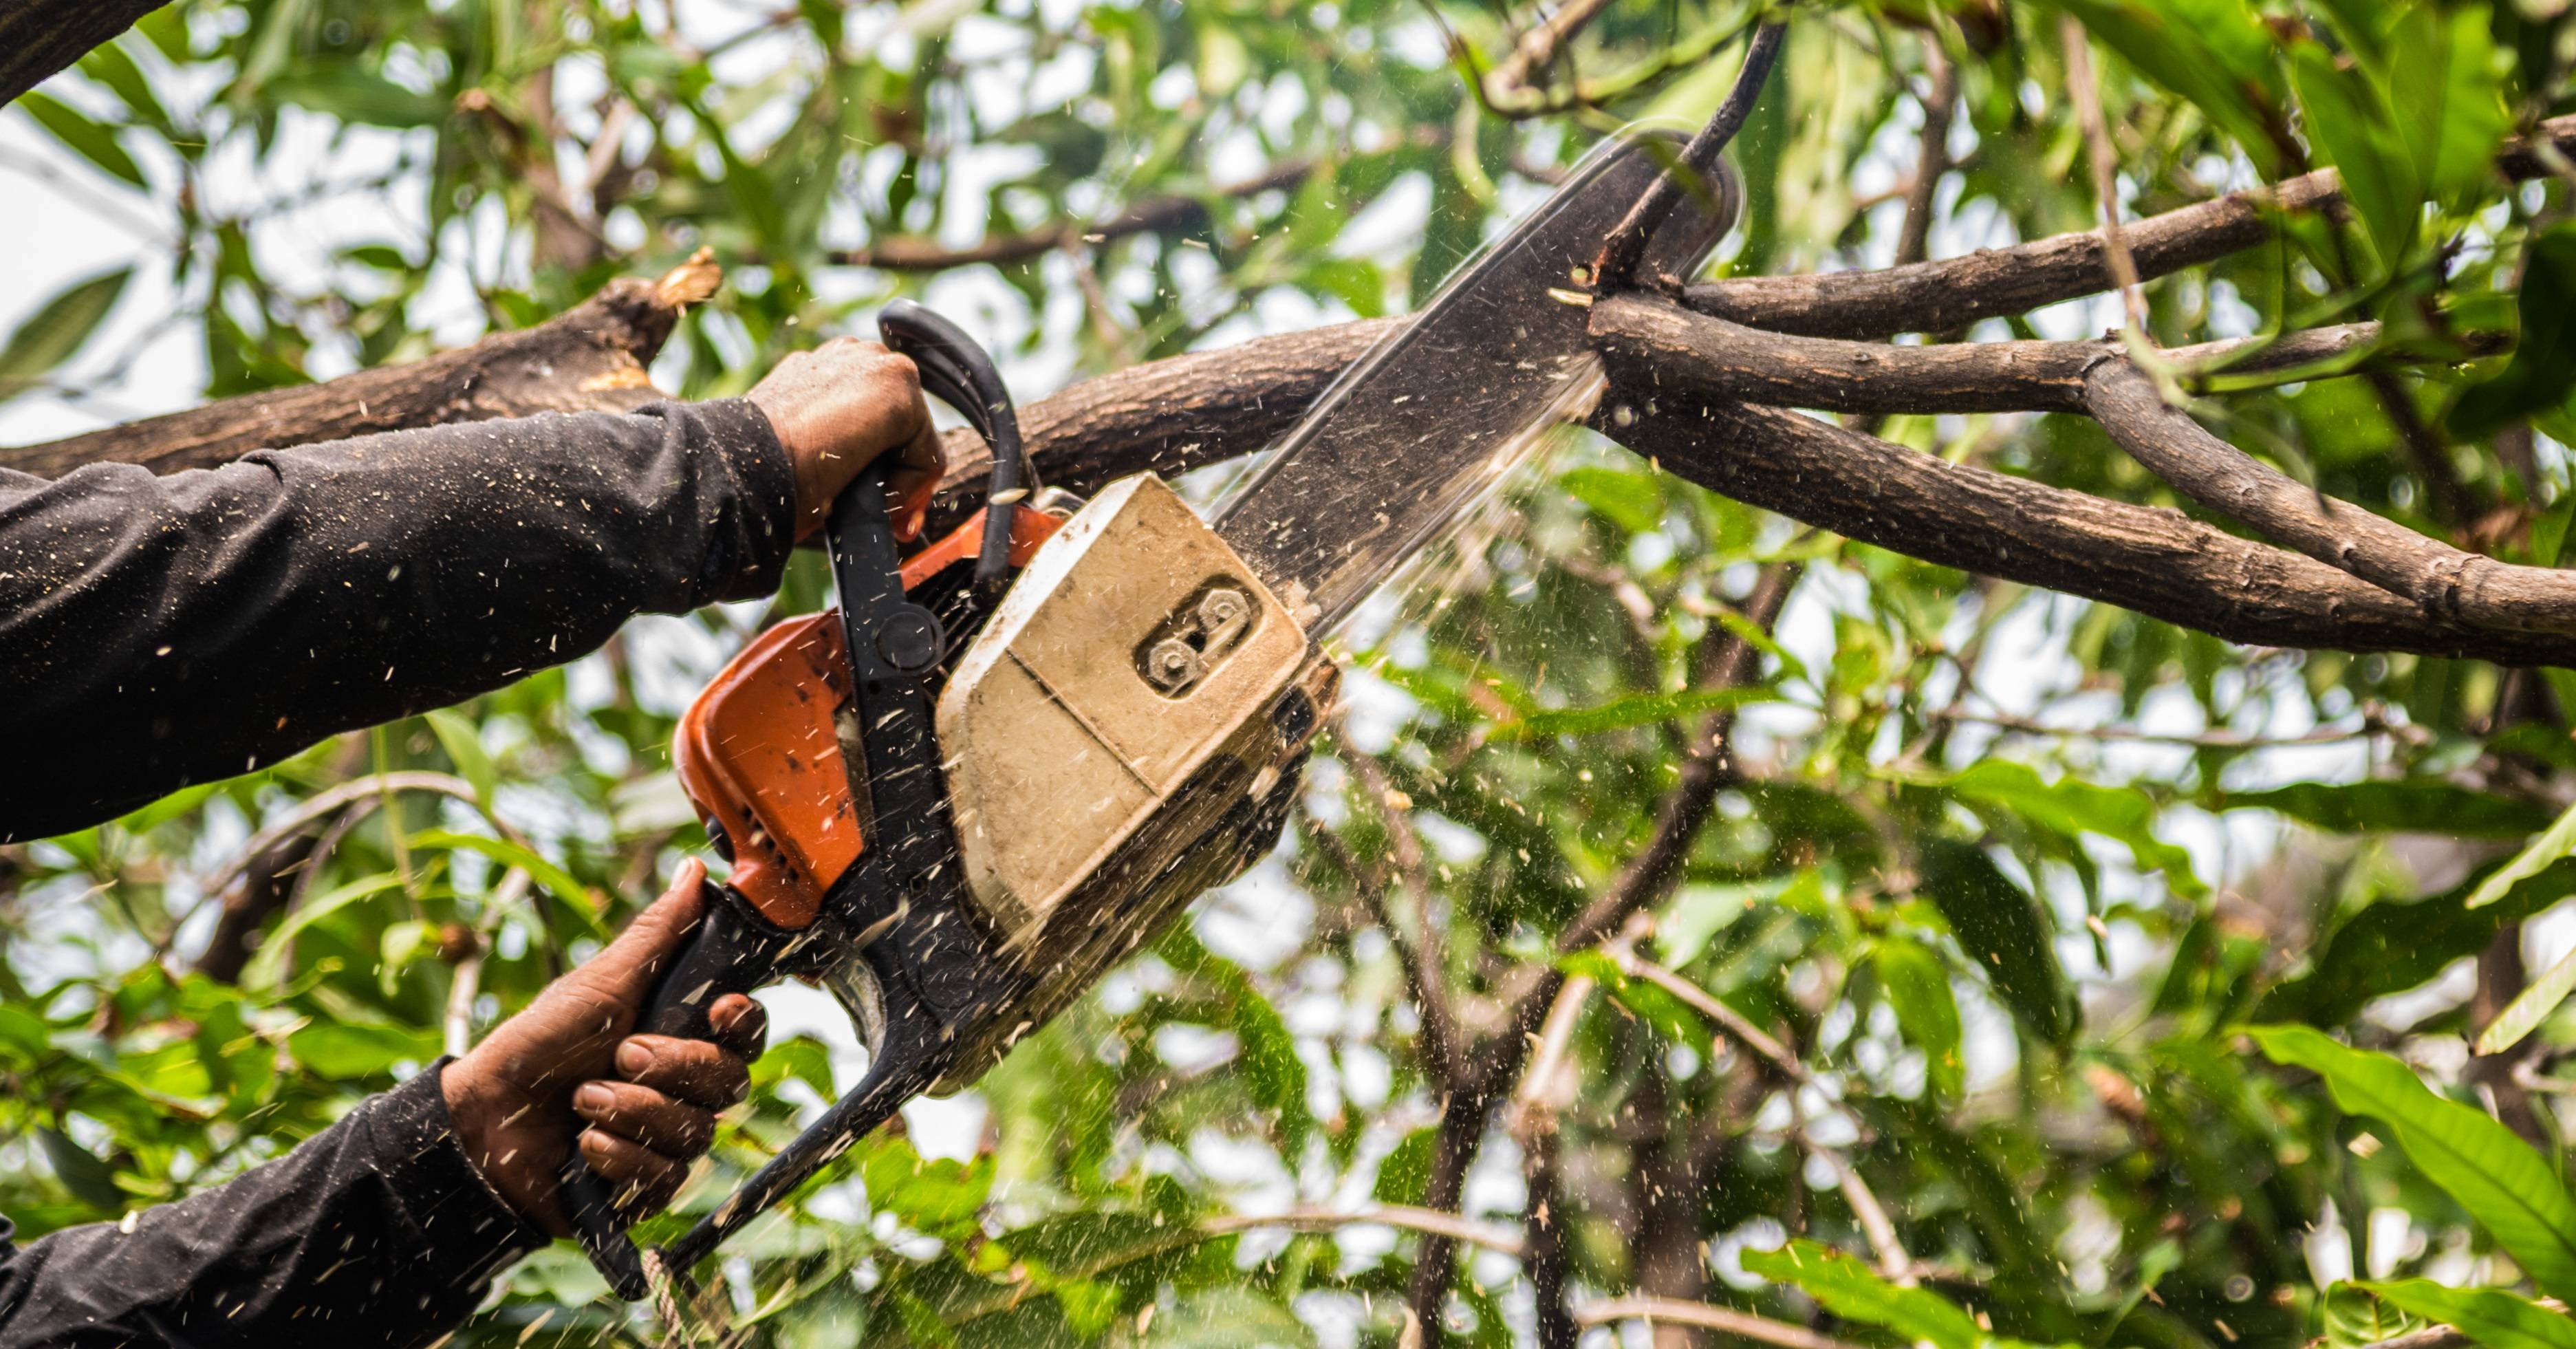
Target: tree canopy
2046, 830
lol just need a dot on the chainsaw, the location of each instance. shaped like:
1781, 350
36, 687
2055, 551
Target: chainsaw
1005, 762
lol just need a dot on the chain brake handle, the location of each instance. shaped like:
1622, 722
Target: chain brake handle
958, 372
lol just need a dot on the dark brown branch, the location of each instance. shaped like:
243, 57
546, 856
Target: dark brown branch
1160, 215
1435, 1258
1833, 375
1626, 247
2155, 561
42, 37
1708, 768
1509, 85
1932, 152
1953, 293
261, 889
591, 357
1166, 416
2449, 585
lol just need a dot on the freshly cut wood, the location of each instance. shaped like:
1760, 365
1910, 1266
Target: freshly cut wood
590, 358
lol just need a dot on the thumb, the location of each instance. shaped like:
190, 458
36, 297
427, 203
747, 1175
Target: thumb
627, 969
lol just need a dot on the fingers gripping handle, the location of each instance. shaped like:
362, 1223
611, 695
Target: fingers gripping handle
959, 373
731, 951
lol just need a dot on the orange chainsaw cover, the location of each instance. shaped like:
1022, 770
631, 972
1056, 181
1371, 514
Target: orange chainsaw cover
759, 755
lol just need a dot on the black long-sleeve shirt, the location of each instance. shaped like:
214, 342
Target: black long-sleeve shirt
159, 631
376, 1231
162, 631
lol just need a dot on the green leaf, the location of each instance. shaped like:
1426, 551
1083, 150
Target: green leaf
2002, 929
463, 741
90, 1180
2355, 1318
2412, 804
1633, 501
940, 1198
2511, 1190
1406, 1172
358, 96
2529, 1008
1226, 1318
1697, 913
2543, 366
568, 893
1643, 709
110, 65
341, 1051
269, 965
1918, 988
1271, 1066
2492, 1317
2446, 77
1851, 1290
2348, 122
57, 329
2394, 945
2549, 846
81, 136
2070, 806
2215, 53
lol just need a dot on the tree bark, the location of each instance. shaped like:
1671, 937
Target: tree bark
41, 37
590, 358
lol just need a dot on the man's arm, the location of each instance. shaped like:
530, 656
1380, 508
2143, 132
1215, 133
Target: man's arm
385, 1228
159, 631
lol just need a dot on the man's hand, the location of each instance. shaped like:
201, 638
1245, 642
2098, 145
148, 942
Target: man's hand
519, 1100
839, 406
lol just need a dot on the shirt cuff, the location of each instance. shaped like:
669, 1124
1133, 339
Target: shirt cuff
748, 544
468, 1233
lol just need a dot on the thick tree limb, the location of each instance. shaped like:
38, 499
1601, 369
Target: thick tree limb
41, 37
2155, 561
1834, 375
2450, 586
590, 358
1996, 282
1166, 416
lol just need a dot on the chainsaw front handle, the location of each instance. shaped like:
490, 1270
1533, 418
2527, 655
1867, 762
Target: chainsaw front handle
958, 372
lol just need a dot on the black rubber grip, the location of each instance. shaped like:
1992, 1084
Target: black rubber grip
961, 374
731, 951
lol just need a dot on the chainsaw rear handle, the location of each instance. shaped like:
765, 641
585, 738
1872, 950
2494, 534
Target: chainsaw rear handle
732, 950
961, 374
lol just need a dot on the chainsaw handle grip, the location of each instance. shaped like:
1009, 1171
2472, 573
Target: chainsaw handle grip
961, 374
732, 950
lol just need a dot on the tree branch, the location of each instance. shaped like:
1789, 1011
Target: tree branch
42, 37
1932, 152
1934, 297
590, 358
2450, 586
1833, 375
1508, 86
2155, 561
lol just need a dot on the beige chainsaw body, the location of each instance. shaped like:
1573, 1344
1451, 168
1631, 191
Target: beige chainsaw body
1121, 736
